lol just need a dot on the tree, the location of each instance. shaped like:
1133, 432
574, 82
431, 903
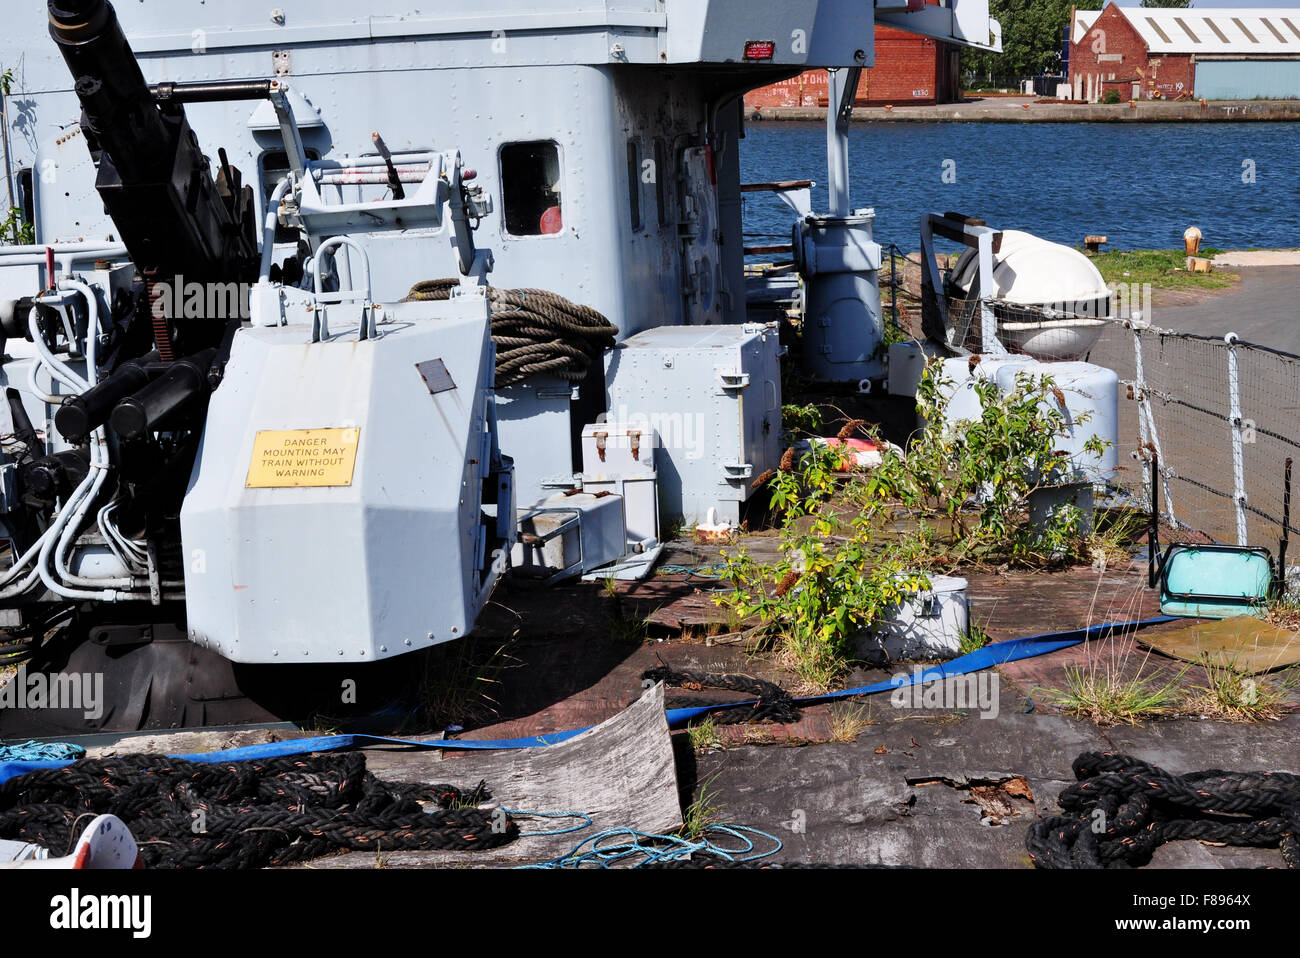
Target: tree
1032, 35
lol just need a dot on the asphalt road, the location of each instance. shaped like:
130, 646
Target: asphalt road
1265, 309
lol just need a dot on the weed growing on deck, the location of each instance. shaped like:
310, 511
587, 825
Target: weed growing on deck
1284, 613
702, 813
704, 736
964, 493
461, 680
972, 639
1109, 700
1232, 694
848, 721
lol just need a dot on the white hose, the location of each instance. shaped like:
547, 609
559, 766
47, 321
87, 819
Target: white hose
268, 229
60, 537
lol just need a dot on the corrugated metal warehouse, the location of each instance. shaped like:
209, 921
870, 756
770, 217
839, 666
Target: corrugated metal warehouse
1213, 54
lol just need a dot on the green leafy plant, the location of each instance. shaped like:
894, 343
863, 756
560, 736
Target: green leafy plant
979, 474
16, 228
832, 581
856, 547
800, 419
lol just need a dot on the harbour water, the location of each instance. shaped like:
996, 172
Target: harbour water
1141, 185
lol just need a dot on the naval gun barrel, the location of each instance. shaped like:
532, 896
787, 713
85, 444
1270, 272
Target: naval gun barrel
120, 109
152, 175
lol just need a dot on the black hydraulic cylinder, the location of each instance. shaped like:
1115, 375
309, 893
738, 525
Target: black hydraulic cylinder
222, 91
156, 405
80, 415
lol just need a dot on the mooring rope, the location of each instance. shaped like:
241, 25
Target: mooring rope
247, 814
774, 703
1122, 809
535, 331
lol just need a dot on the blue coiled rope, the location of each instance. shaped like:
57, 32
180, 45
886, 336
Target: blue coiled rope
628, 848
40, 752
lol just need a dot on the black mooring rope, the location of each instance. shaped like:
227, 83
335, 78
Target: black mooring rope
246, 814
774, 703
1122, 809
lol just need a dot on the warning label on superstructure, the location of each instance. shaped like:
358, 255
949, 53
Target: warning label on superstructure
284, 458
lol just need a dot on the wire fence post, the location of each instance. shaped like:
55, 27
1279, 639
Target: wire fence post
893, 282
1147, 422
1236, 423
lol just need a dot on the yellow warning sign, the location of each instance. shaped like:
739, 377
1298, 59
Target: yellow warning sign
283, 458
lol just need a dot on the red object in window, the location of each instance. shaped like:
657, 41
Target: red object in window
552, 221
760, 49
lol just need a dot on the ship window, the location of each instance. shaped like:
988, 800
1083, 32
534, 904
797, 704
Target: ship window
634, 182
662, 175
26, 202
275, 167
531, 187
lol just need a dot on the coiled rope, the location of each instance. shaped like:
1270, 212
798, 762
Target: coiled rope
247, 814
1122, 809
535, 331
628, 848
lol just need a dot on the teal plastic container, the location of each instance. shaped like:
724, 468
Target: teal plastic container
1215, 582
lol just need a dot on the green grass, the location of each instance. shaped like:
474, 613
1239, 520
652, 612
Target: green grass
702, 813
704, 736
972, 639
848, 721
1109, 699
1162, 269
1235, 696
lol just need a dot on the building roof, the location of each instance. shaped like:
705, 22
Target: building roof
1242, 32
1083, 21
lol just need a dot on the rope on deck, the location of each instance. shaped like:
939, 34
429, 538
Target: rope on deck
535, 331
774, 703
1122, 809
247, 814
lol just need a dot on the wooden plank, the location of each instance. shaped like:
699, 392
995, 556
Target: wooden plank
775, 187
621, 773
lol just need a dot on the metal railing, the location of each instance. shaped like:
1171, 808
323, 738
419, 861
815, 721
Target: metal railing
1221, 415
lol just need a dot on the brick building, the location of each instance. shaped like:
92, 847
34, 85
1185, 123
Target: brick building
1151, 54
909, 69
